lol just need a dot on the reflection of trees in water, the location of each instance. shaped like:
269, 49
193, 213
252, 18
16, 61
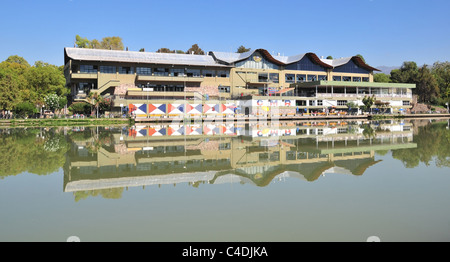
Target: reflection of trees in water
368, 131
95, 138
433, 142
37, 151
108, 193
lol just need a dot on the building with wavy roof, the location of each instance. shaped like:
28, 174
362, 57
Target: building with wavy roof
150, 82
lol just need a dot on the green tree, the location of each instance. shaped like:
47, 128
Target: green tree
112, 43
329, 57
80, 108
195, 49
441, 72
109, 43
407, 73
44, 79
368, 101
82, 42
25, 109
165, 50
13, 85
242, 49
427, 88
17, 59
95, 44
381, 77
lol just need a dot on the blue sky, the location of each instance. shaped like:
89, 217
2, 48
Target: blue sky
385, 32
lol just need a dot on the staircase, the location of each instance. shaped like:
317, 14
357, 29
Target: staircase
110, 83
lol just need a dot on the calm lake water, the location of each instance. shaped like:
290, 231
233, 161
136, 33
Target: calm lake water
294, 181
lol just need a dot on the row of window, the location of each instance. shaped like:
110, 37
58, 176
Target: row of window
339, 103
174, 88
299, 78
148, 71
262, 77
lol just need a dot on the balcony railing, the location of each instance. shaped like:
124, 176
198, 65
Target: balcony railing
170, 78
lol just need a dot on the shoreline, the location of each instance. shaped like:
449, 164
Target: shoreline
49, 122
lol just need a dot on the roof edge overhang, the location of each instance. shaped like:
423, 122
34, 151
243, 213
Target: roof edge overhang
358, 60
317, 60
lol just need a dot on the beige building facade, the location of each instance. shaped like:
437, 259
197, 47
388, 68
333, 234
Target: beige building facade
148, 80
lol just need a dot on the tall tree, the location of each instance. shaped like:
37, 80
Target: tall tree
426, 87
44, 79
441, 72
17, 59
381, 77
195, 49
407, 73
13, 85
164, 50
112, 43
242, 49
82, 42
95, 44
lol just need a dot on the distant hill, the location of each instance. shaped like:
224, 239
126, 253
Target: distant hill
386, 69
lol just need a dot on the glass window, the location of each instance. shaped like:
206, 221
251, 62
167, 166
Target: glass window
160, 71
274, 77
306, 64
406, 103
300, 103
89, 69
337, 78
126, 70
224, 89
342, 102
211, 73
108, 69
223, 74
301, 78
176, 72
84, 88
320, 102
290, 78
375, 91
312, 78
356, 79
322, 77
146, 71
347, 78
193, 72
363, 90
365, 79
312, 102
262, 77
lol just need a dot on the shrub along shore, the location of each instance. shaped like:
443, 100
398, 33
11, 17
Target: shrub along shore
65, 122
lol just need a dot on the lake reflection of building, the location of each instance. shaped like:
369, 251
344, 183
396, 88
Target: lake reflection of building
255, 154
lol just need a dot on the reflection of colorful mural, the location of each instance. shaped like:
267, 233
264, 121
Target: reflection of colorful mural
266, 132
175, 108
180, 130
284, 107
194, 109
